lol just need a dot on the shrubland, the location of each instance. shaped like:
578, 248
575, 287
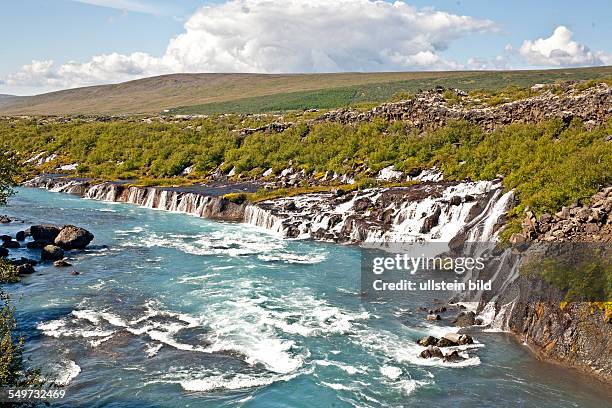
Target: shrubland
549, 164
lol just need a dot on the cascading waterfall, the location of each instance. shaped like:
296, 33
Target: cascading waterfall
441, 212
155, 198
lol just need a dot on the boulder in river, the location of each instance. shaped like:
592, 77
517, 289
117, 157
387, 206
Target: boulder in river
444, 342
432, 351
3, 252
52, 253
11, 244
36, 244
465, 319
25, 269
71, 237
4, 219
61, 263
454, 339
20, 236
5, 238
46, 233
453, 357
427, 341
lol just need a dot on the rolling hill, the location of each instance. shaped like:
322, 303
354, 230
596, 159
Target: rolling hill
213, 93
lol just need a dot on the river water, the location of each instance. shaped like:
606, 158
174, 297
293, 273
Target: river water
171, 310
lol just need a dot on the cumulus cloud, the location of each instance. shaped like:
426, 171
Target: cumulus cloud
560, 50
273, 36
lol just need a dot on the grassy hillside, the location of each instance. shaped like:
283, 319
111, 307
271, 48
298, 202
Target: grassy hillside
212, 93
385, 91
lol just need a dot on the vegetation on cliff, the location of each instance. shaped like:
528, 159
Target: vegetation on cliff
549, 164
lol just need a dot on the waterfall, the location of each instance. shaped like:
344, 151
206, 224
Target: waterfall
199, 205
260, 217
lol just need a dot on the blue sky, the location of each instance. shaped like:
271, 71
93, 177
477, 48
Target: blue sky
76, 43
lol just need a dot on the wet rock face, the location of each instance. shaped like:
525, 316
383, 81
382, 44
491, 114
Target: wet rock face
578, 334
429, 110
71, 237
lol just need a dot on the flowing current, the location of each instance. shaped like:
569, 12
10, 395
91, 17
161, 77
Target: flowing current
171, 310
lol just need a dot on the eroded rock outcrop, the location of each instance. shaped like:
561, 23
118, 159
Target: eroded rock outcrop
577, 333
430, 109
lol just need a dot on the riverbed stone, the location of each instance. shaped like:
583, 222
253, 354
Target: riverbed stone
46, 233
464, 319
427, 341
432, 351
52, 253
453, 357
61, 263
25, 269
11, 244
71, 237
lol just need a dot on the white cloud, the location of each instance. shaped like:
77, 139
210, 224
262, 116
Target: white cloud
274, 36
561, 51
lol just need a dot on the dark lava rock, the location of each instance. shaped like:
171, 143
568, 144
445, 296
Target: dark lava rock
52, 253
465, 319
432, 351
3, 252
290, 206
61, 263
25, 269
427, 341
453, 357
455, 200
5, 238
457, 339
46, 233
71, 237
75, 273
362, 204
431, 220
23, 261
36, 244
11, 244
444, 342
20, 236
4, 219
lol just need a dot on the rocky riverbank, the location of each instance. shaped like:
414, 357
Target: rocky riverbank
46, 243
578, 334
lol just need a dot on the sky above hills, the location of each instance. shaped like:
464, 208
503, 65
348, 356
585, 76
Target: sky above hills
57, 44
